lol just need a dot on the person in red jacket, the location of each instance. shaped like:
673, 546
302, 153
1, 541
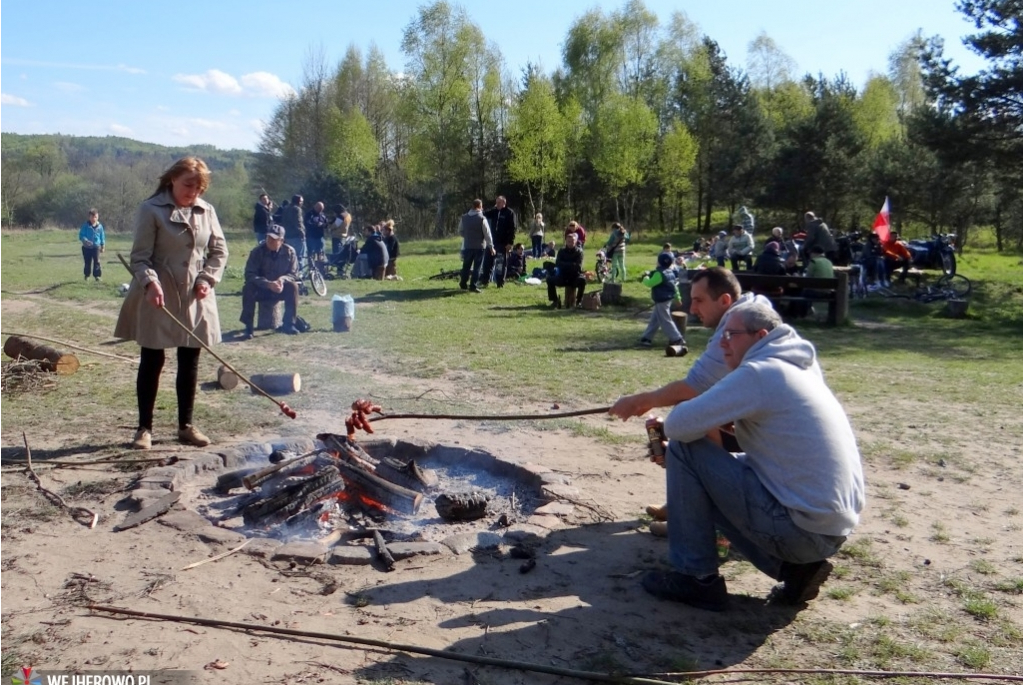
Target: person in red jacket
896, 254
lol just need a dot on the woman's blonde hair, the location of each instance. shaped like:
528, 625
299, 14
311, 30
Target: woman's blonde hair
185, 165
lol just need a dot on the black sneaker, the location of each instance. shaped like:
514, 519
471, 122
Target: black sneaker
289, 329
474, 289
800, 582
709, 594
247, 334
463, 286
644, 342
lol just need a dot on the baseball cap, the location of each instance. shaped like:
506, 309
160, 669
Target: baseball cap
665, 260
275, 231
722, 234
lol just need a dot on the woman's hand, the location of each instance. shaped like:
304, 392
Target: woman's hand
202, 289
155, 294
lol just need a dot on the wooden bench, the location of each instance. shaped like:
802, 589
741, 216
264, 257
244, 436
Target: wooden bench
791, 289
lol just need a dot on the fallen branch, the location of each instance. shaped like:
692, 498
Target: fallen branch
74, 512
215, 558
72, 346
106, 461
527, 666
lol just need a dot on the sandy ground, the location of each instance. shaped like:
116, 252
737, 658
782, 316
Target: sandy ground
582, 607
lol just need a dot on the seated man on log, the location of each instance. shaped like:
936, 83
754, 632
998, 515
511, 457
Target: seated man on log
568, 271
271, 275
789, 499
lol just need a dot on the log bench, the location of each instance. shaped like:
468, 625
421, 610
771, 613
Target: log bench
784, 290
269, 315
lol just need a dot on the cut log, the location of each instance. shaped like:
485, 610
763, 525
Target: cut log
392, 496
277, 383
408, 475
251, 480
382, 551
462, 506
157, 508
61, 363
226, 379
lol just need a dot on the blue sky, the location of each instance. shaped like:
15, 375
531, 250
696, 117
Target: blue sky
211, 73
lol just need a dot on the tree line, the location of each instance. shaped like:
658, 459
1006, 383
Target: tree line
645, 121
649, 123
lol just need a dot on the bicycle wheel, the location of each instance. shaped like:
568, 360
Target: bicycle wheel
956, 287
316, 279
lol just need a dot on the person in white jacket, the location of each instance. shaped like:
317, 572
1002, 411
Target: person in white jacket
789, 499
741, 247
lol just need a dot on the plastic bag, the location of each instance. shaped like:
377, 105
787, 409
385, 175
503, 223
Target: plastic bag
343, 311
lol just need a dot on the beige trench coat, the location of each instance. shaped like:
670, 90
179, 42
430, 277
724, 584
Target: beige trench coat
176, 250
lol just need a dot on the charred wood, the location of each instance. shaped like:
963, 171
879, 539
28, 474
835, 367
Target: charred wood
462, 506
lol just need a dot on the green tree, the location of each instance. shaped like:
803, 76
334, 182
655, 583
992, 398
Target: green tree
537, 141
625, 135
677, 154
876, 111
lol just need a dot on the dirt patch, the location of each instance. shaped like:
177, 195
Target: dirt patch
931, 574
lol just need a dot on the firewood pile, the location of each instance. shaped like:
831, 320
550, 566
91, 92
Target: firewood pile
341, 487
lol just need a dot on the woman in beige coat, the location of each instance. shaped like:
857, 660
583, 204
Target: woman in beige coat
178, 257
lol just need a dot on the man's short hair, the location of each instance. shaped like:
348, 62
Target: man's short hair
296, 199
737, 227
818, 249
719, 282
93, 211
809, 216
778, 230
757, 316
478, 204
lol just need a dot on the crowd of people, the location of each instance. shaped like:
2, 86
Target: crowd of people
756, 446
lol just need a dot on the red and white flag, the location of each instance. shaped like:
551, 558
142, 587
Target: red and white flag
881, 226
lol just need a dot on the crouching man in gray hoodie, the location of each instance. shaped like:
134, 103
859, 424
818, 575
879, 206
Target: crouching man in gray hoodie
788, 501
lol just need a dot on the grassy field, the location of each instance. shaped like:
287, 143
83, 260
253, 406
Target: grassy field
935, 401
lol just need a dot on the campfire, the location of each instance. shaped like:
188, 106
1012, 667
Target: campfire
339, 486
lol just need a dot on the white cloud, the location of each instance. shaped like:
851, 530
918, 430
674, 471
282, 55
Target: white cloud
67, 87
120, 130
213, 81
265, 84
256, 84
163, 108
209, 124
7, 99
235, 112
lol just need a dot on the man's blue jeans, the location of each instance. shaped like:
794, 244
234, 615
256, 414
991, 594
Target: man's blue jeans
710, 488
471, 260
299, 245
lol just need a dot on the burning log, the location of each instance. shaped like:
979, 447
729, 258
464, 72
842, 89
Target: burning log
402, 500
462, 506
408, 474
348, 450
252, 480
294, 498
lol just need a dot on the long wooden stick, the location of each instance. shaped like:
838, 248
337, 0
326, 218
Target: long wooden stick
536, 668
74, 512
215, 558
72, 346
494, 417
285, 409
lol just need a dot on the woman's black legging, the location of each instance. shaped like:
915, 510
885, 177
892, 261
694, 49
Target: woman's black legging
148, 381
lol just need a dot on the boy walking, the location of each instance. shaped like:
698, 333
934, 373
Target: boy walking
664, 291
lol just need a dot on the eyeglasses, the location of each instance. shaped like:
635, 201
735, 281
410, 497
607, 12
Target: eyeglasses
728, 334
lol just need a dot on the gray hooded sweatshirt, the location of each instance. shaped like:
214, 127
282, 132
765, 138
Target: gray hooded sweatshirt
710, 366
795, 433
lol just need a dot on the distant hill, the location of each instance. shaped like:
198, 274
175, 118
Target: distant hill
53, 179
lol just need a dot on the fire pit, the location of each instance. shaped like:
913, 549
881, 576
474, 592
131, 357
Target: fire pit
365, 500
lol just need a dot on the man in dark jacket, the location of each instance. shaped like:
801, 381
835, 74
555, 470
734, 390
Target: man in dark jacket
261, 217
817, 234
568, 271
375, 251
271, 275
502, 221
476, 242
295, 227
316, 226
770, 262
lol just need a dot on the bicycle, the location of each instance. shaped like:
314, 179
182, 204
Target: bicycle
948, 287
313, 271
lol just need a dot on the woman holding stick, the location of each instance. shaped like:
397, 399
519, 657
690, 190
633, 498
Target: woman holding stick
178, 257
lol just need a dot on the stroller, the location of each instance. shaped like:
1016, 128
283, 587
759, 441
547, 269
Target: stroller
603, 267
344, 258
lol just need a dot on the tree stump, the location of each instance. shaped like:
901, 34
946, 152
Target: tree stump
269, 315
61, 363
611, 293
226, 379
